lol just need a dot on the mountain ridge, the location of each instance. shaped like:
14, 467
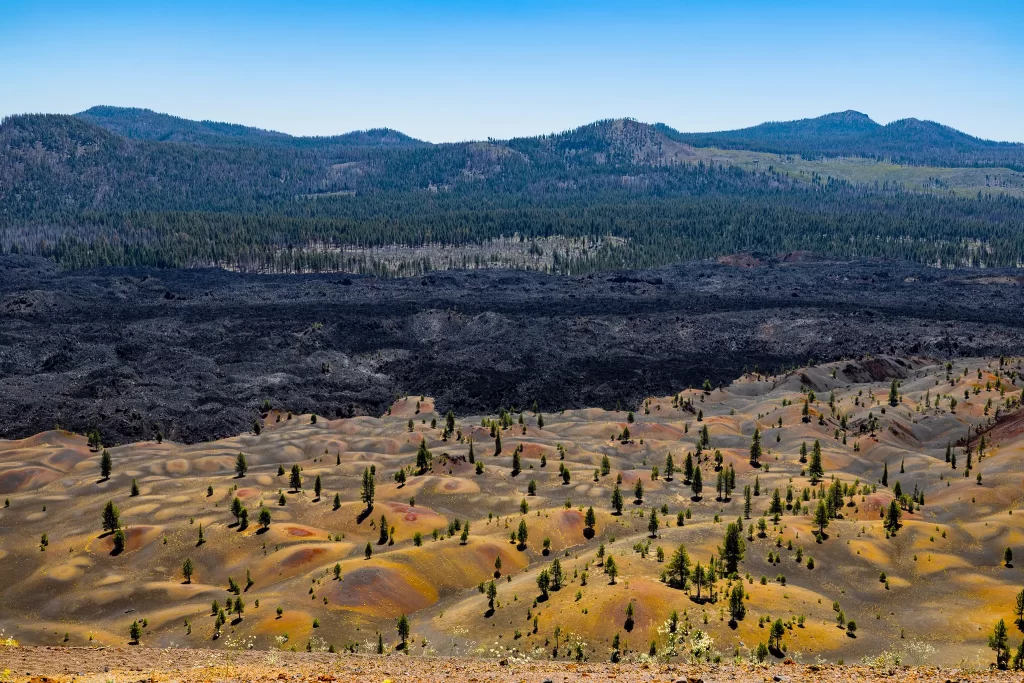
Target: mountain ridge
909, 141
146, 124
148, 189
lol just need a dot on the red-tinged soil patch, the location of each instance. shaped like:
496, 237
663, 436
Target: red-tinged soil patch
135, 537
28, 478
381, 589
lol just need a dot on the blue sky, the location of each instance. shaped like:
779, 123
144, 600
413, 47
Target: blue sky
458, 70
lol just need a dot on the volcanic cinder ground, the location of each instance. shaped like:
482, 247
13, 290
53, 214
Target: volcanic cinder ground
947, 583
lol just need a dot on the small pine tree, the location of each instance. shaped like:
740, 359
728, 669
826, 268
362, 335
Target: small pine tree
755, 448
697, 485
815, 469
367, 489
106, 465
135, 632
241, 465
119, 542
617, 500
403, 629
111, 517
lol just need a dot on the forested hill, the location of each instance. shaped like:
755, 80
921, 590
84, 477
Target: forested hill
131, 187
850, 133
145, 124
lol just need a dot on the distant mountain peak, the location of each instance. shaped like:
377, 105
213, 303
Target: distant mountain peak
848, 116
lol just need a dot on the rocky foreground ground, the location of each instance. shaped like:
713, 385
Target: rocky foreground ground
40, 664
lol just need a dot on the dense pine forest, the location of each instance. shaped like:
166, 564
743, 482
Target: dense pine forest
130, 187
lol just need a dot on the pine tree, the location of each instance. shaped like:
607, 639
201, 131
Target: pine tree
367, 489
241, 466
424, 458
821, 517
737, 610
617, 501
652, 524
815, 469
894, 394
187, 569
755, 448
106, 464
892, 517
697, 485
522, 533
885, 474
733, 547
611, 569
998, 641
119, 541
677, 571
295, 479
492, 594
318, 487
111, 517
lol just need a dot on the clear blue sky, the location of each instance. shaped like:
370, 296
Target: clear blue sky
456, 70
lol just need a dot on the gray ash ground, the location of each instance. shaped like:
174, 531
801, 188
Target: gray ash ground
194, 353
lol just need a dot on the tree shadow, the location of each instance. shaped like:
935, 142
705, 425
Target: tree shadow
364, 514
588, 533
